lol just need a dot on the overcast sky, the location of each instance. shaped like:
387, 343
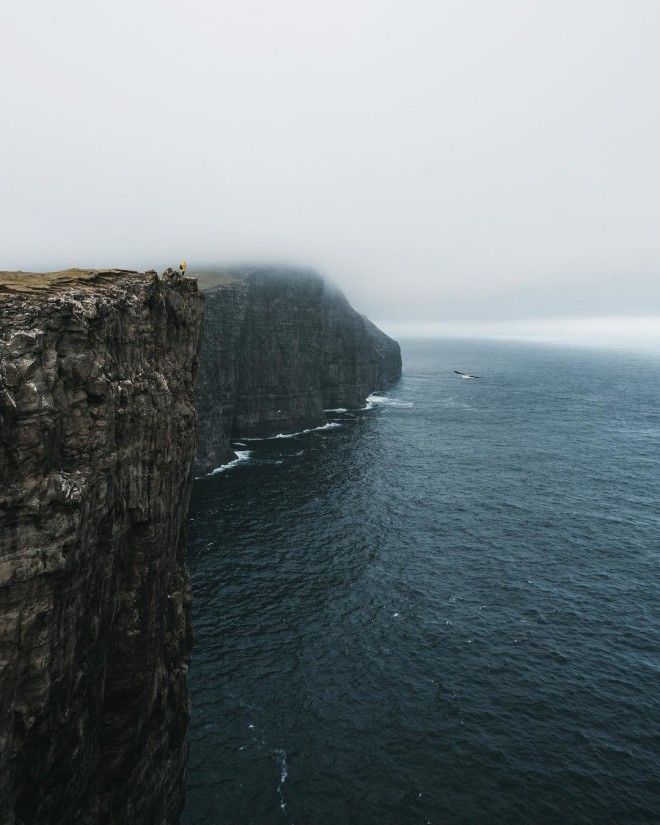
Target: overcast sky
463, 160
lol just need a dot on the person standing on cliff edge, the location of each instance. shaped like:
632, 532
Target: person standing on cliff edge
183, 266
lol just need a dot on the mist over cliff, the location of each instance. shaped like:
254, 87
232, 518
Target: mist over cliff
280, 344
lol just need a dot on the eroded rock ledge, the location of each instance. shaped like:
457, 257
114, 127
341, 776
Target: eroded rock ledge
96, 444
280, 345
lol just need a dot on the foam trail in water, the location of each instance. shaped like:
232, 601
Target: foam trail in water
284, 772
329, 426
337, 410
241, 455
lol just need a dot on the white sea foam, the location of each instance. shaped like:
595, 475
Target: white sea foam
329, 426
385, 401
337, 410
241, 455
284, 772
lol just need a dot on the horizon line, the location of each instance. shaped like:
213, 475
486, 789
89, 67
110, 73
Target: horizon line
632, 330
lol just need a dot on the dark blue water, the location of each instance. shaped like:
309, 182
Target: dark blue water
447, 610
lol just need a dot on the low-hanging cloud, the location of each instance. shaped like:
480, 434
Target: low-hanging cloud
438, 160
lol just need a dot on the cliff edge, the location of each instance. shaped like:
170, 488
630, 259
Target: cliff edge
280, 345
97, 433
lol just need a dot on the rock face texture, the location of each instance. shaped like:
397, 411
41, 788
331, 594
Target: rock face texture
97, 433
278, 347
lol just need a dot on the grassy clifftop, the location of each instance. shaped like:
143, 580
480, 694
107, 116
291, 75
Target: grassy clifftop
35, 282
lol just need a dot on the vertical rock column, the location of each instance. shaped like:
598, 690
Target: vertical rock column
97, 438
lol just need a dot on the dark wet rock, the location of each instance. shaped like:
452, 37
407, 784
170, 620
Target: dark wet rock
97, 429
278, 347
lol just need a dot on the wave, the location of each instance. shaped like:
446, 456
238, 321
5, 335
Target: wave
331, 425
385, 401
337, 410
241, 455
284, 772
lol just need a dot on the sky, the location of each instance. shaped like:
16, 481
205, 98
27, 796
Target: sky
482, 161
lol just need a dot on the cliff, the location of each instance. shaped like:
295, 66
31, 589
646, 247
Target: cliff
97, 431
278, 347
97, 440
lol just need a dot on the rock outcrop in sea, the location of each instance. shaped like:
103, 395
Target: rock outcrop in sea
280, 345
97, 436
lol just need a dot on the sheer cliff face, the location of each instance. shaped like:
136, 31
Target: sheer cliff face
96, 442
279, 346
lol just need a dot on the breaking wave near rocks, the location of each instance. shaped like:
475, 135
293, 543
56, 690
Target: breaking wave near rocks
241, 456
331, 425
375, 400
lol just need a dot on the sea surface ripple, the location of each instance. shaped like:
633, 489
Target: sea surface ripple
446, 610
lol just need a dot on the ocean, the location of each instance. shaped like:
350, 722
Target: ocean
444, 608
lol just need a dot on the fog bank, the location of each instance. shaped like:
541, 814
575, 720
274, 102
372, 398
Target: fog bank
438, 159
